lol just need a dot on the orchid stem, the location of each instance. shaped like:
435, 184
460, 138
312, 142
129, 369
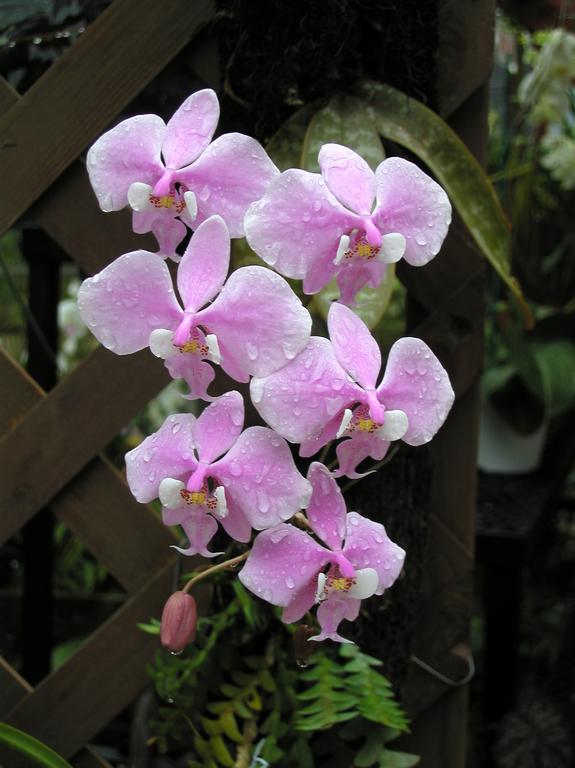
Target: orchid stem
215, 568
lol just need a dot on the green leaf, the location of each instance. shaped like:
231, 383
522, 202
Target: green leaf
31, 747
555, 362
346, 120
285, 146
221, 752
229, 726
398, 760
416, 127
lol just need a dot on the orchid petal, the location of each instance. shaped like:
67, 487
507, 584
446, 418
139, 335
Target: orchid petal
351, 452
367, 545
227, 177
348, 177
200, 528
218, 426
416, 383
197, 374
283, 562
351, 278
204, 266
259, 317
326, 510
297, 222
321, 272
190, 129
260, 475
302, 397
312, 445
127, 153
128, 299
411, 203
235, 523
331, 613
354, 346
169, 452
169, 232
303, 600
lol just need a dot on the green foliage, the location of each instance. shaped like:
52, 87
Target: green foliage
237, 694
33, 749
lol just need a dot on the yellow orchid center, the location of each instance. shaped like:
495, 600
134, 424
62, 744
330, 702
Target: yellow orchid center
195, 347
167, 201
362, 249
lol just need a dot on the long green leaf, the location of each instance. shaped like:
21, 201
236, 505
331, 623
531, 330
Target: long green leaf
31, 747
419, 129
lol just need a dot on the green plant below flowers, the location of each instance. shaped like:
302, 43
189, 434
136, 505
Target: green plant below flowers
249, 689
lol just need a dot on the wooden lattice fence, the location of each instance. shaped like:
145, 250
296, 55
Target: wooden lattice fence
50, 443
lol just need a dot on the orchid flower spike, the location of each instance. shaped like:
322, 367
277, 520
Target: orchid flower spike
254, 325
289, 568
348, 222
205, 470
171, 175
329, 391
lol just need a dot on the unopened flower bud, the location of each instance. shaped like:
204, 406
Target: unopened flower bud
178, 626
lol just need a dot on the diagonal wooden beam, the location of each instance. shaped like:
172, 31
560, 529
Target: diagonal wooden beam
70, 706
74, 101
59, 436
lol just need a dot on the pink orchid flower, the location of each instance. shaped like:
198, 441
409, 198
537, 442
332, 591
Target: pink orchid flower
287, 567
173, 174
254, 485
329, 391
348, 222
254, 325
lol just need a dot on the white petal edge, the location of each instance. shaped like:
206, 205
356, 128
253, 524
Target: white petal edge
213, 348
161, 343
191, 204
347, 416
395, 425
342, 248
319, 595
392, 247
170, 493
139, 197
366, 582
220, 496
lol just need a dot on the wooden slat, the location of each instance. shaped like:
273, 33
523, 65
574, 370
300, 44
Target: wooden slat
61, 434
69, 213
126, 537
71, 705
46, 130
96, 504
13, 690
466, 31
8, 96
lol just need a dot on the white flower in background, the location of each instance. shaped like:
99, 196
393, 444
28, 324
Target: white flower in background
545, 90
558, 157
